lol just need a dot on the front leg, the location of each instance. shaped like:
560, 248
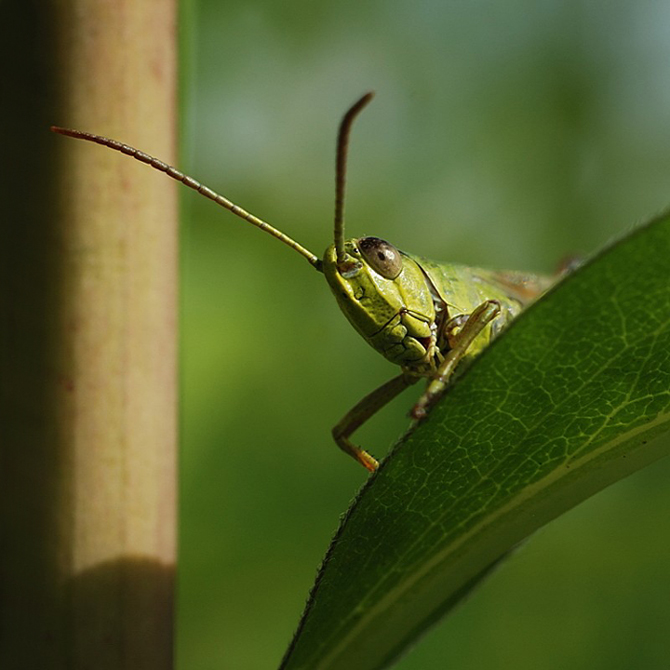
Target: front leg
356, 417
460, 343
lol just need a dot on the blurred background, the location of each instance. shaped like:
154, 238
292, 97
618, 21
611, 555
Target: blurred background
505, 135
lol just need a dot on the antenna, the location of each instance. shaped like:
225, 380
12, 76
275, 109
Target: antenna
341, 170
195, 185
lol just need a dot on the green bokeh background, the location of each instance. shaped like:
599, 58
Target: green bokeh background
505, 135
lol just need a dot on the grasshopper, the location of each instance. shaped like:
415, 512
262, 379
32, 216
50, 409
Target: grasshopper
424, 316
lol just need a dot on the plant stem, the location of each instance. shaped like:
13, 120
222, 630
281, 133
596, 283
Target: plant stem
87, 337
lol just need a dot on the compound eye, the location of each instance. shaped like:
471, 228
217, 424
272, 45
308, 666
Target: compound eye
382, 256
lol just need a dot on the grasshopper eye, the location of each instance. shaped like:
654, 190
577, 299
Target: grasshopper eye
382, 256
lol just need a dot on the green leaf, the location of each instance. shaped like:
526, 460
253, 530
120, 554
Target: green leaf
561, 406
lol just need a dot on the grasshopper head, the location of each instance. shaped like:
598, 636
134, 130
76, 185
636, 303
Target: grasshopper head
381, 291
384, 295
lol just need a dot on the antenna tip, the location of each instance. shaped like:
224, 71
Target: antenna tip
60, 131
362, 102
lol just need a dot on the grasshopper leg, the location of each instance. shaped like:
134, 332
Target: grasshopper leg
460, 344
357, 416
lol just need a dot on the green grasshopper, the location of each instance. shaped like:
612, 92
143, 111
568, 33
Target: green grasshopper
424, 316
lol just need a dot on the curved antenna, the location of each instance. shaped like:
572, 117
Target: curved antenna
341, 170
195, 185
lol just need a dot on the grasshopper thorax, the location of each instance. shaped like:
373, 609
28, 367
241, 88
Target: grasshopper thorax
384, 295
